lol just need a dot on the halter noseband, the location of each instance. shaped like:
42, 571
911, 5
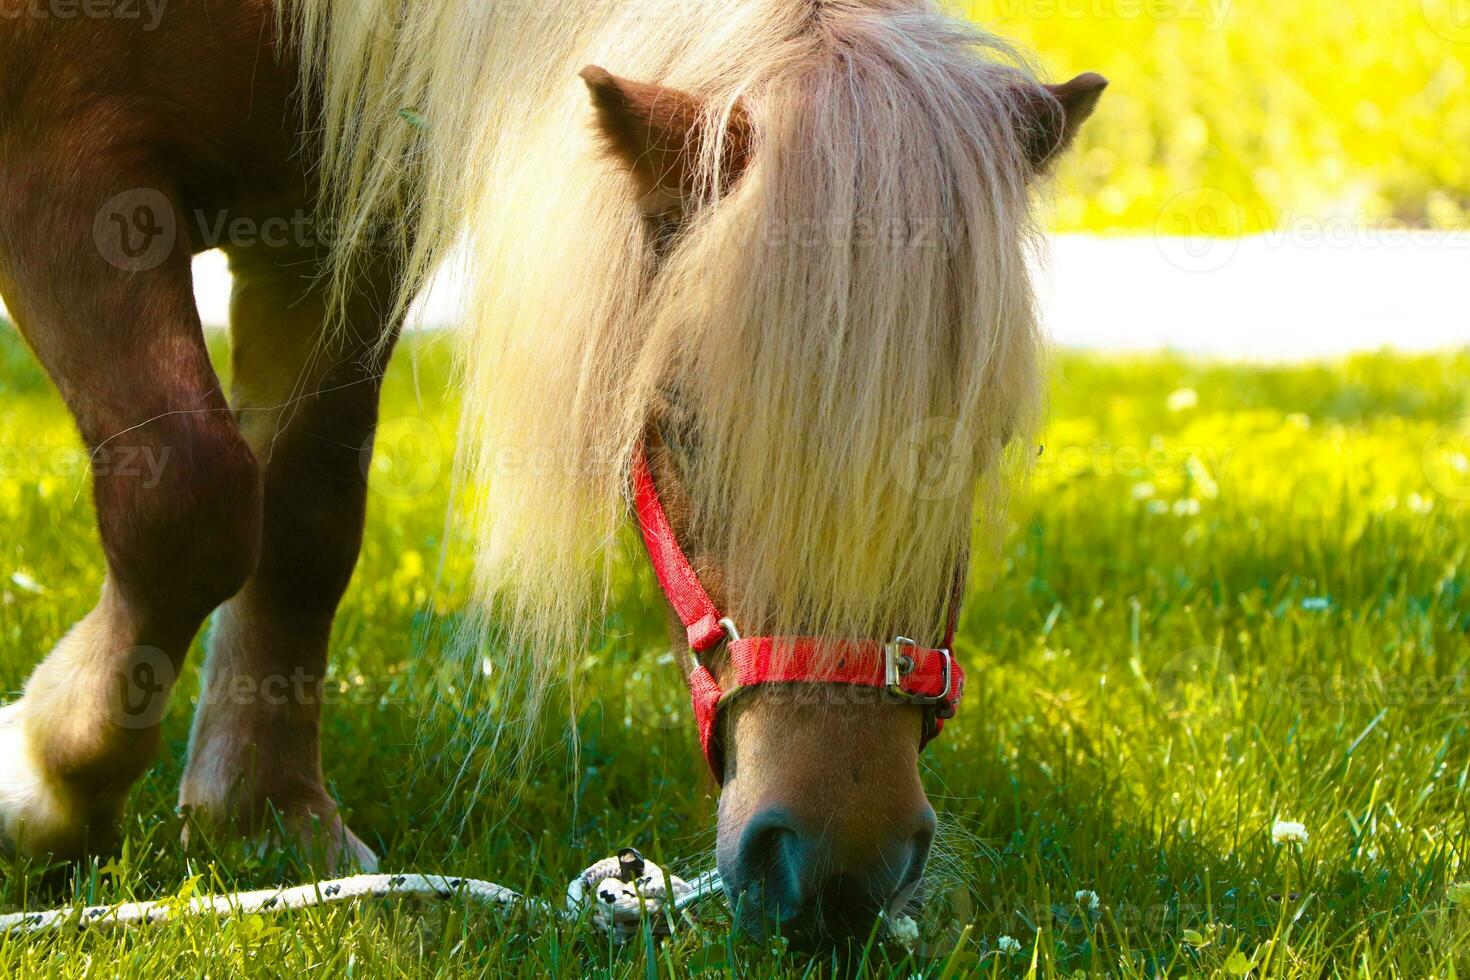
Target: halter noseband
906, 672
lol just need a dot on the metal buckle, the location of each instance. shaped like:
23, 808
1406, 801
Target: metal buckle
897, 665
728, 625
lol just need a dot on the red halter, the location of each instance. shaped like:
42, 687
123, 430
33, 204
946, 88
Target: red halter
910, 674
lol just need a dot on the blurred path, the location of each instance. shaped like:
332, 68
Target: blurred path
1283, 296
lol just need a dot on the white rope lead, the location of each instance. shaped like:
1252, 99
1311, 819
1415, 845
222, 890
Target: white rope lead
341, 891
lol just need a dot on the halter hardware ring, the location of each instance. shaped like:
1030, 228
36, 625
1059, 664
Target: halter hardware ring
897, 665
890, 668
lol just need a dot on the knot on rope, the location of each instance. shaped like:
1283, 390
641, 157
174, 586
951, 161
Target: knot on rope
619, 891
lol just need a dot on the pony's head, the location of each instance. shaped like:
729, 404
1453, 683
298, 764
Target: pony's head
784, 250
823, 819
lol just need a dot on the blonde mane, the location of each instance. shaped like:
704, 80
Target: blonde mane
848, 335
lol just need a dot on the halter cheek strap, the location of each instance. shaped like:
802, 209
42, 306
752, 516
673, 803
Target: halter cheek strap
928, 678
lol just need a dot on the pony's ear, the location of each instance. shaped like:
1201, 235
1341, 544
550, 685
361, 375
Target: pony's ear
659, 134
1051, 115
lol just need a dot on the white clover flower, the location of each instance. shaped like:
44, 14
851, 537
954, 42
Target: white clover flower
1288, 832
1186, 507
1008, 945
1144, 490
903, 930
1183, 399
1087, 899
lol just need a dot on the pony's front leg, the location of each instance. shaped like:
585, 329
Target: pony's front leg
307, 402
176, 488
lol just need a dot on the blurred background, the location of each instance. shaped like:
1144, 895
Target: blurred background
1316, 109
1262, 179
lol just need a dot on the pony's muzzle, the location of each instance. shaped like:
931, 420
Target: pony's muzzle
800, 882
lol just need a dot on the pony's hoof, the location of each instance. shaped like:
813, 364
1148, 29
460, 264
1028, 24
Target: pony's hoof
328, 845
357, 854
318, 840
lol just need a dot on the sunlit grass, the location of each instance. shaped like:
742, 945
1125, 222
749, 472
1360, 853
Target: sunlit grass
1286, 113
1234, 595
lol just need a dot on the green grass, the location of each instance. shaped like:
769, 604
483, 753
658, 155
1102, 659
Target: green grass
1249, 115
1205, 618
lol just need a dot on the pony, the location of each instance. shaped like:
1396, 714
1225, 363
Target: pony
776, 249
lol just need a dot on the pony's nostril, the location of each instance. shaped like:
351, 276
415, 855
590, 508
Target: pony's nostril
798, 883
772, 856
921, 843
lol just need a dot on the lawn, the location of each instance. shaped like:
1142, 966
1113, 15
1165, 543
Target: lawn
1253, 115
1233, 595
